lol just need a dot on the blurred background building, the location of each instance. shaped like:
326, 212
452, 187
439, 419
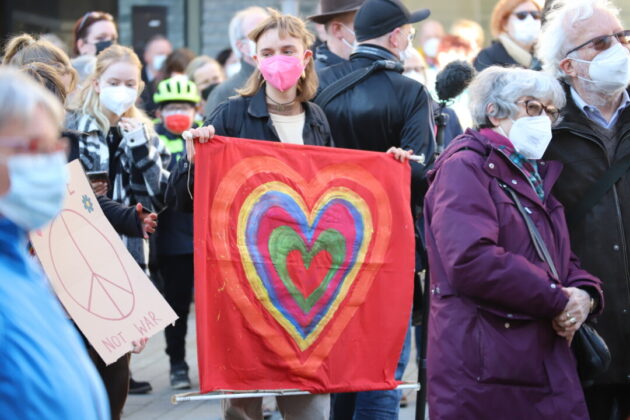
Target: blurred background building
200, 25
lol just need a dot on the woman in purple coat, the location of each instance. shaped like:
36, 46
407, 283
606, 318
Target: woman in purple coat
500, 321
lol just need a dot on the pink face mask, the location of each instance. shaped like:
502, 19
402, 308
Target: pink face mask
281, 71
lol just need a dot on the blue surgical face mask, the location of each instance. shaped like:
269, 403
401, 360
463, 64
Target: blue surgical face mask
37, 189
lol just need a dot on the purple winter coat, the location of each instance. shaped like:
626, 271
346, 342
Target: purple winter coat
492, 351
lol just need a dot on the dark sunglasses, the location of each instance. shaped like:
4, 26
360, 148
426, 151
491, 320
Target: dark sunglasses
601, 43
523, 15
534, 109
94, 16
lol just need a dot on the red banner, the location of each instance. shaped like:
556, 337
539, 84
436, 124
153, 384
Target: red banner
304, 264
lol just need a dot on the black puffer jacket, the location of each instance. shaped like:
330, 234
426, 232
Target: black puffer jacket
601, 239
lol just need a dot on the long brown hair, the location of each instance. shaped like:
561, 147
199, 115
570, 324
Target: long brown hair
24, 49
87, 102
294, 27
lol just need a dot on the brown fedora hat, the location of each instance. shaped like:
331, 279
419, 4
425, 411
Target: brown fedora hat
331, 8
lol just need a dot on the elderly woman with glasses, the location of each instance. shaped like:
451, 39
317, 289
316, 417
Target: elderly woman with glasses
502, 314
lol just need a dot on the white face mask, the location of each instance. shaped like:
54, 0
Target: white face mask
531, 135
525, 31
118, 99
252, 47
37, 191
354, 44
431, 46
610, 69
232, 68
158, 61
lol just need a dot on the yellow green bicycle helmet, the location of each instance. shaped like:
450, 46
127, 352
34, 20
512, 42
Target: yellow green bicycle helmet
176, 89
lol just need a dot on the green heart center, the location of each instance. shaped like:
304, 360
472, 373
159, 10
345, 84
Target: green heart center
284, 239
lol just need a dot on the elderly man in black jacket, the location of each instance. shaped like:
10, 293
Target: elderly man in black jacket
380, 109
585, 45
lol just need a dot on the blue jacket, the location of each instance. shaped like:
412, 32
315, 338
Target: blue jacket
45, 372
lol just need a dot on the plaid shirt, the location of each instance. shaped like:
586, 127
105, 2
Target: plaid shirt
529, 168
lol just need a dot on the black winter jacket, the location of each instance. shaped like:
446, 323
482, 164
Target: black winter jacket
601, 239
245, 117
385, 110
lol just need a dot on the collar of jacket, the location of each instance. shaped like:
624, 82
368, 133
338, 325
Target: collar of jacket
574, 119
498, 165
373, 52
324, 55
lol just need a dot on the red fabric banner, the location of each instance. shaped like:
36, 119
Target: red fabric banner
304, 265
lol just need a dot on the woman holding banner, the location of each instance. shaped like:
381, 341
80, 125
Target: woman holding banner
274, 106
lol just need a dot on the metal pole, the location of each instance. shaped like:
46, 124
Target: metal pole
226, 395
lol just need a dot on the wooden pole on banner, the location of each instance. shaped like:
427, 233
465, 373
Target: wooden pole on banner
226, 395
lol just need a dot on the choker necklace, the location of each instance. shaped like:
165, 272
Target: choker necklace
281, 107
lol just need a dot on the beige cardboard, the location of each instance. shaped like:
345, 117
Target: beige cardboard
96, 279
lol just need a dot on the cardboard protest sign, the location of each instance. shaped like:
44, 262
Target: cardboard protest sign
96, 279
304, 266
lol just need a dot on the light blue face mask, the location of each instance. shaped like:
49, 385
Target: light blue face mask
37, 190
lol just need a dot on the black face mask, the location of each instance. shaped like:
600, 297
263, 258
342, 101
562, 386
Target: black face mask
206, 92
101, 45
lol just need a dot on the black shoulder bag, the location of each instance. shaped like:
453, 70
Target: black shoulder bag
589, 348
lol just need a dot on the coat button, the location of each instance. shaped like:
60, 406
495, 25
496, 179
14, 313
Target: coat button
507, 325
491, 166
510, 316
553, 285
514, 182
616, 247
624, 311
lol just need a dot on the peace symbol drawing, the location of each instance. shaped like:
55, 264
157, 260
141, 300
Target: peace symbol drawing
299, 253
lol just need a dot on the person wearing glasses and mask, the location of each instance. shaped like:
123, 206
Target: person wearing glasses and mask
94, 32
584, 44
501, 319
516, 26
45, 371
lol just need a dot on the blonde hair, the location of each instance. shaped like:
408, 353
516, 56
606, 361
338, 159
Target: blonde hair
502, 11
294, 27
199, 62
462, 27
24, 49
88, 102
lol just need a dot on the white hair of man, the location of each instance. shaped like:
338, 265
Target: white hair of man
236, 31
495, 91
20, 96
553, 43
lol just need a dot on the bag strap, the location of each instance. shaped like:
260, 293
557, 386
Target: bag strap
539, 243
351, 79
597, 191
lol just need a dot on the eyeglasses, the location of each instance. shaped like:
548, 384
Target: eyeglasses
534, 109
24, 145
523, 15
601, 43
94, 16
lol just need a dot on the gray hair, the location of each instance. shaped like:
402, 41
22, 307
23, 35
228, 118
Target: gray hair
553, 43
20, 95
501, 87
235, 29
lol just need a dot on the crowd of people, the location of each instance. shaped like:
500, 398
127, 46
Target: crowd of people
518, 188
